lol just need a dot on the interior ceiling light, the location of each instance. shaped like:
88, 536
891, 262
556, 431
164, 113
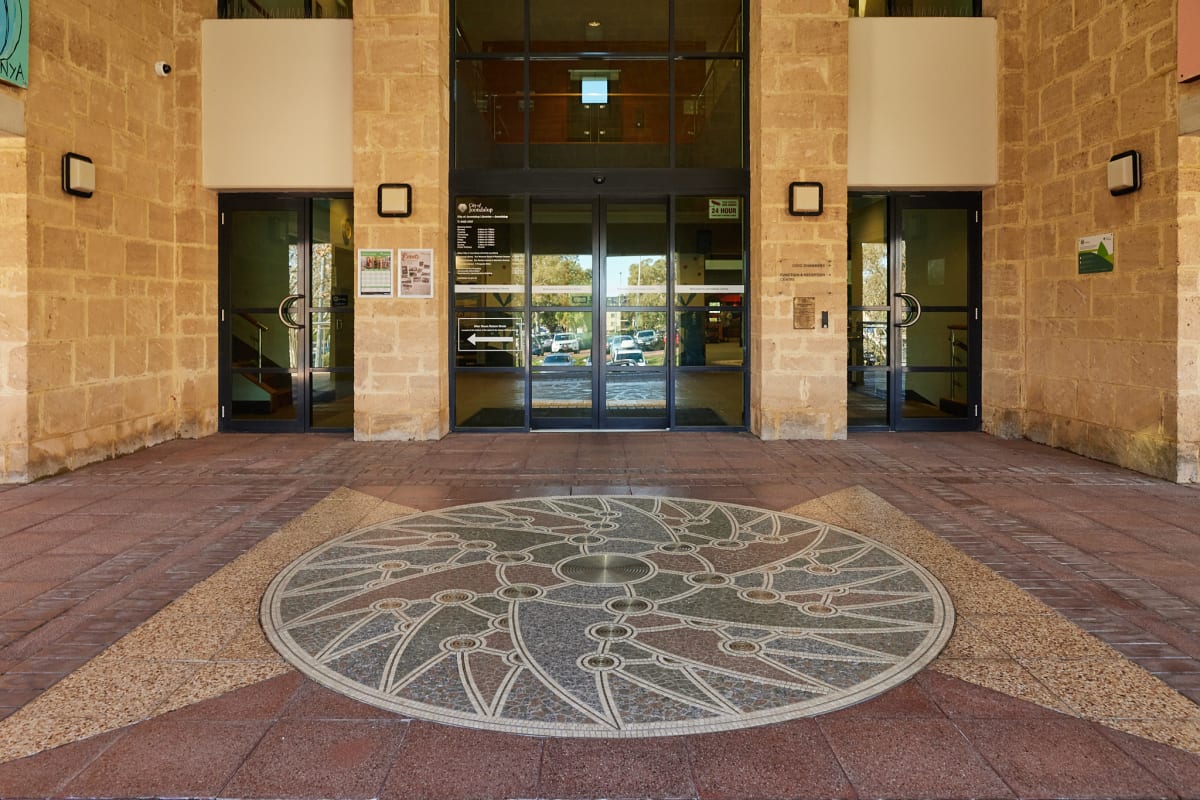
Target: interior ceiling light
595, 23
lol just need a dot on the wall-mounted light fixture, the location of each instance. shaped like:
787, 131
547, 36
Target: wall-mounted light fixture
395, 200
1125, 172
806, 199
78, 175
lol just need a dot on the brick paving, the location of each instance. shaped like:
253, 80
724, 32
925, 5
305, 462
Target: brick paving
87, 556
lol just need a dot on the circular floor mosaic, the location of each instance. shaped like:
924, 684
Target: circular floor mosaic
606, 616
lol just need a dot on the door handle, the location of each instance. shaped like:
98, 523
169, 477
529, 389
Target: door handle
914, 307
285, 310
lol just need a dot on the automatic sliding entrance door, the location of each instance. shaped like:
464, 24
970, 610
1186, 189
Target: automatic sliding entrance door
634, 311
563, 375
598, 336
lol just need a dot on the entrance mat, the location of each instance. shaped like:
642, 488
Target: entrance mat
602, 616
515, 418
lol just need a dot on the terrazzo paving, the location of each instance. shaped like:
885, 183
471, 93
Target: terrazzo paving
1070, 672
606, 616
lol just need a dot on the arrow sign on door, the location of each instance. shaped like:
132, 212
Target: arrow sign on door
475, 339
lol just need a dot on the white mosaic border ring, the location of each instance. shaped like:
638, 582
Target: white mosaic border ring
418, 616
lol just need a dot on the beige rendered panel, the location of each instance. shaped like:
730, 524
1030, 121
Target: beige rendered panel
923, 103
277, 104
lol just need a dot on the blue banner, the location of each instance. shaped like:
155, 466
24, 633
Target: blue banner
14, 42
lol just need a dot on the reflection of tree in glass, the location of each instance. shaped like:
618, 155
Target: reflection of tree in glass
560, 270
649, 271
874, 274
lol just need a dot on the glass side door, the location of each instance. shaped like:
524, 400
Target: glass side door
913, 296
935, 327
286, 317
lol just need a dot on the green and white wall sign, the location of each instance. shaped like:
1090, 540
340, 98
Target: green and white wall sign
1097, 253
14, 42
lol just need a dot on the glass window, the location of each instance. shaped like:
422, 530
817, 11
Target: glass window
562, 254
489, 400
332, 395
709, 26
489, 26
709, 399
708, 243
868, 256
489, 252
710, 337
867, 397
635, 259
570, 125
598, 26
489, 338
489, 114
708, 113
915, 8
285, 9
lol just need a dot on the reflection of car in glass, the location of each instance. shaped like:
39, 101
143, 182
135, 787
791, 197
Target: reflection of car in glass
629, 358
647, 339
538, 345
620, 344
565, 342
557, 360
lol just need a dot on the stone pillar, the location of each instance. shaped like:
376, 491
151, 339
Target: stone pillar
1188, 460
799, 101
14, 312
401, 135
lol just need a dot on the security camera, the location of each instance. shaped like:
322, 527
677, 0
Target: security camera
162, 69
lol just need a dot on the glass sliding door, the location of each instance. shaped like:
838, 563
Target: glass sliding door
634, 313
563, 239
913, 296
286, 317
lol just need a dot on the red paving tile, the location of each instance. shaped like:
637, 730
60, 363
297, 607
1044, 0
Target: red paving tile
1061, 758
119, 540
437, 762
45, 775
169, 758
318, 759
791, 760
614, 768
907, 758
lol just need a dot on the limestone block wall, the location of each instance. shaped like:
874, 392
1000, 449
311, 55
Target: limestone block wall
121, 286
1100, 353
1188, 461
799, 103
14, 311
401, 135
1005, 218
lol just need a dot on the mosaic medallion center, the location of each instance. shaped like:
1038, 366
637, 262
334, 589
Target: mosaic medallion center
605, 568
606, 616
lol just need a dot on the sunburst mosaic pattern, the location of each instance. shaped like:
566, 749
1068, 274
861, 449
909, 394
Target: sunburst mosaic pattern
606, 616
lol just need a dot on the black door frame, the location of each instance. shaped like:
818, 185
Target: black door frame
302, 206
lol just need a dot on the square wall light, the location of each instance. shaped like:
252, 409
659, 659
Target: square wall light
78, 175
806, 199
395, 200
1125, 172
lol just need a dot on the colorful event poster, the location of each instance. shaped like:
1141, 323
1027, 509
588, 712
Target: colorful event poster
375, 273
14, 42
416, 273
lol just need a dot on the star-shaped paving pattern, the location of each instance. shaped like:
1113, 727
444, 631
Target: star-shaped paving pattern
607, 616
